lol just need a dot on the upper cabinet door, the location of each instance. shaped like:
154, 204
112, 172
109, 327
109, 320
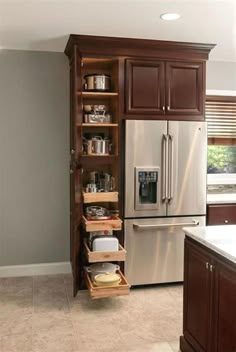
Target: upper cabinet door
185, 88
145, 87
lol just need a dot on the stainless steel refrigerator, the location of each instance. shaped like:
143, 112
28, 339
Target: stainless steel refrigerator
165, 190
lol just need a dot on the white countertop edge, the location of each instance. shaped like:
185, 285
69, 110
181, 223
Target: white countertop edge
213, 247
221, 201
217, 198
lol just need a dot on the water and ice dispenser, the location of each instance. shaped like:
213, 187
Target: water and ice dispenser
147, 188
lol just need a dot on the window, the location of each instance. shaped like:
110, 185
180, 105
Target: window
221, 117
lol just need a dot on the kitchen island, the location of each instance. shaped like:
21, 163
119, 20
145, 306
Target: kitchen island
209, 290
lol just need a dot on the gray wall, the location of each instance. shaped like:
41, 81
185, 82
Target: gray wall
221, 75
34, 149
34, 145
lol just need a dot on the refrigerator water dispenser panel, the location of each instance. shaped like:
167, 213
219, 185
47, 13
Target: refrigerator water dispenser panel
146, 188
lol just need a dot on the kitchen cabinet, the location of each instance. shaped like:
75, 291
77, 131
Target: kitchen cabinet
171, 90
209, 297
161, 68
221, 214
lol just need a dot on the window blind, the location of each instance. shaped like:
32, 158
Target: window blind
220, 113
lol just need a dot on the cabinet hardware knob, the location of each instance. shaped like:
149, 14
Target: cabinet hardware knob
163, 108
207, 265
211, 267
168, 108
226, 221
72, 151
71, 171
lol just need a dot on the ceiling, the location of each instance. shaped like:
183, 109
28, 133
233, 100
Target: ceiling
46, 24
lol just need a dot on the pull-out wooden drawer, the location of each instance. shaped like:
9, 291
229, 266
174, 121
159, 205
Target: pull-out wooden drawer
95, 292
95, 256
221, 214
100, 225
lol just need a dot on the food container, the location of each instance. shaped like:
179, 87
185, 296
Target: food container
101, 268
93, 234
105, 243
95, 108
97, 213
97, 118
97, 82
97, 145
107, 279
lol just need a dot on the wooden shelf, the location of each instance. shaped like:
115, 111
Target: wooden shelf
98, 159
114, 224
123, 289
99, 124
97, 94
97, 256
100, 197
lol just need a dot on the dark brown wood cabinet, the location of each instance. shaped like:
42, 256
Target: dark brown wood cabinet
221, 214
145, 90
209, 297
146, 75
164, 89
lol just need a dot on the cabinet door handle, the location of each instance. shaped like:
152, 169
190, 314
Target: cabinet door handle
168, 108
207, 265
226, 221
163, 108
212, 267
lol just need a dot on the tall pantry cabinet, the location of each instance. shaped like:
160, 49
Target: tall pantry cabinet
149, 79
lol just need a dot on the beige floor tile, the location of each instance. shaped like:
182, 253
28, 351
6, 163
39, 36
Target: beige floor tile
54, 340
16, 343
149, 347
15, 323
47, 284
51, 303
174, 345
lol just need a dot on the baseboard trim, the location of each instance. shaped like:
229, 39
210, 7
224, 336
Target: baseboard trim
35, 269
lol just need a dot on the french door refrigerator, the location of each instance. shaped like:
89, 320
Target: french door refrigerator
165, 190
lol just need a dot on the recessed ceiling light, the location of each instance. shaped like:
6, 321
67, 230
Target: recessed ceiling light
170, 16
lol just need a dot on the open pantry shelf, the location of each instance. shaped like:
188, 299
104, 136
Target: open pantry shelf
94, 256
100, 197
95, 292
114, 224
99, 125
98, 94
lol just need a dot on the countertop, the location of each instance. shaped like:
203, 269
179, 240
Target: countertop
221, 198
221, 239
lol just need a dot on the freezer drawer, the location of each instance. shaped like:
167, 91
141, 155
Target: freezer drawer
155, 249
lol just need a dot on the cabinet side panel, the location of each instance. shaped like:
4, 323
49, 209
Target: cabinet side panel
226, 293
196, 298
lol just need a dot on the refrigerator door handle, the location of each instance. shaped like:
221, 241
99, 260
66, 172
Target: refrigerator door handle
171, 168
156, 226
164, 168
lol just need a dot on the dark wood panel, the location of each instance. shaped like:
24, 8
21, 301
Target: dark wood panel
185, 346
221, 214
184, 88
197, 286
144, 87
225, 333
100, 45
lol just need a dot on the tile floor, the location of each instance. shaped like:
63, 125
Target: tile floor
39, 314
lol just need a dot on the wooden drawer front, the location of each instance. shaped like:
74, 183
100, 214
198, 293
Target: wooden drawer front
100, 197
222, 214
114, 224
95, 256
